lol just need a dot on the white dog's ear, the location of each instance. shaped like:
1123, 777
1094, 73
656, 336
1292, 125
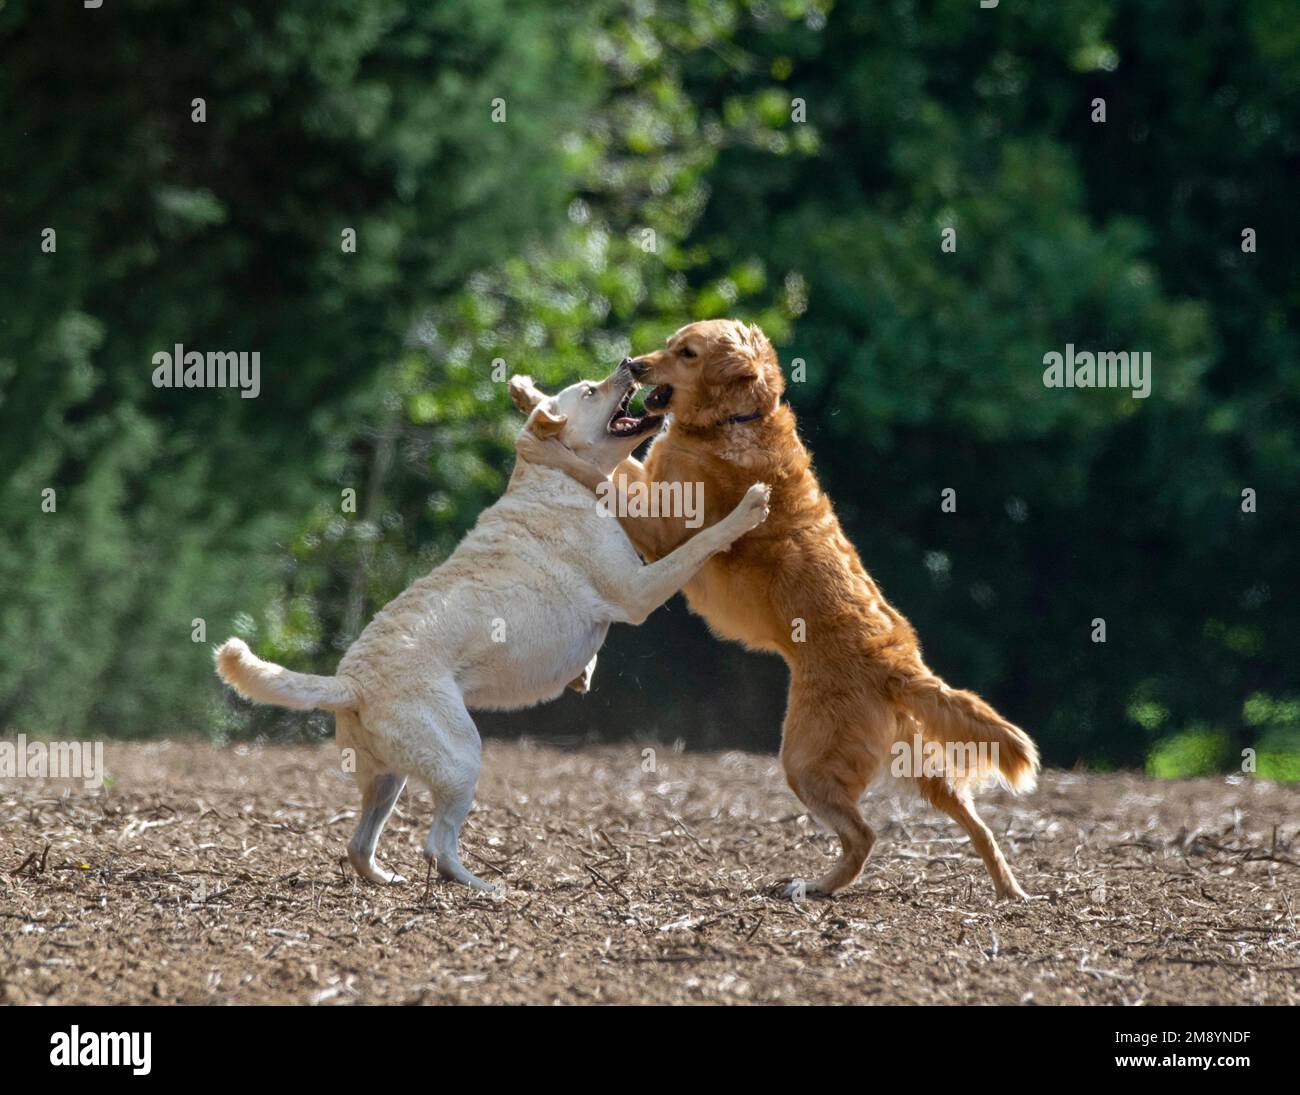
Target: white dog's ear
524, 394
546, 424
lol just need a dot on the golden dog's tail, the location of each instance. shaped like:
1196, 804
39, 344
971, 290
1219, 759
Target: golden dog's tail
966, 726
266, 682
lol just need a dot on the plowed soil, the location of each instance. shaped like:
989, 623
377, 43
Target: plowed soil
200, 875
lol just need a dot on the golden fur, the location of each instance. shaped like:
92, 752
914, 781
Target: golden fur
858, 683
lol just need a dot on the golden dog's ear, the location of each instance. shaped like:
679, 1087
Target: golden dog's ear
759, 341
738, 366
738, 362
524, 394
746, 350
545, 424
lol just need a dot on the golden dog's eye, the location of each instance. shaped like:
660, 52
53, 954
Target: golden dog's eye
686, 351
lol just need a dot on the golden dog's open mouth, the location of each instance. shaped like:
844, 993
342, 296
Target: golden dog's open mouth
628, 423
657, 401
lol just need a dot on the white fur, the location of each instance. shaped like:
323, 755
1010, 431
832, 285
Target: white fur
544, 570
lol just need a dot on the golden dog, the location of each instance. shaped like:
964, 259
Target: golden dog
796, 586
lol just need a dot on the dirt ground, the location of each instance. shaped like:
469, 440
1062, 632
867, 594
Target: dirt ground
202, 875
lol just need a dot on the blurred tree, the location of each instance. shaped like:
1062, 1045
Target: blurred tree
437, 446
925, 365
801, 165
226, 234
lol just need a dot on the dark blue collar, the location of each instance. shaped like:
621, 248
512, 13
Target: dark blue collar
743, 418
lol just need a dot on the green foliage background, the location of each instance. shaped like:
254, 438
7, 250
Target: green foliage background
649, 172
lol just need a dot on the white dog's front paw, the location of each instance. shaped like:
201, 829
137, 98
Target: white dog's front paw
753, 508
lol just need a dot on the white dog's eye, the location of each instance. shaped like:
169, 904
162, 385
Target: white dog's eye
588, 392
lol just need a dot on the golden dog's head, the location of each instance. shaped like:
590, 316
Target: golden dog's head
712, 372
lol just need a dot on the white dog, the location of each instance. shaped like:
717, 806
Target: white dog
516, 613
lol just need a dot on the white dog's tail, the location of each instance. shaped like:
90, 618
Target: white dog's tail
266, 682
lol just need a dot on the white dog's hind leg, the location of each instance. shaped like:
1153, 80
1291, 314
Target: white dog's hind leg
379, 797
439, 739
442, 847
379, 788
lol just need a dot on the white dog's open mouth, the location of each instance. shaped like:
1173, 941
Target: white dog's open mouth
627, 423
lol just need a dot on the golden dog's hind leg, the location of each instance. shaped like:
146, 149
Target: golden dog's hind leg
828, 768
957, 805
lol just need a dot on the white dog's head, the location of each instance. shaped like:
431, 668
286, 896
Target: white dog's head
590, 417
